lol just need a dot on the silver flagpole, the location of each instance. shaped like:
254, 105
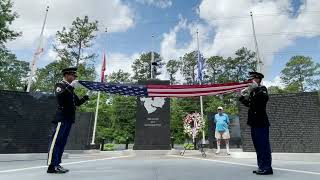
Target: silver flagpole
98, 102
95, 120
152, 56
37, 54
201, 101
258, 68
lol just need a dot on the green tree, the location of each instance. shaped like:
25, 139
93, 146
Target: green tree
189, 65
13, 72
123, 117
173, 67
215, 66
239, 66
70, 48
119, 77
104, 130
73, 41
177, 115
117, 117
142, 67
47, 77
301, 73
276, 90
7, 16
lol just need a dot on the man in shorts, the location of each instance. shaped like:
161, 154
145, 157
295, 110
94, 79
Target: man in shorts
221, 120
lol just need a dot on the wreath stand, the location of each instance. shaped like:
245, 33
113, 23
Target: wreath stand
198, 146
192, 125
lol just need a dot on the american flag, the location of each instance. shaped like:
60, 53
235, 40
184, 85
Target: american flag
165, 90
103, 68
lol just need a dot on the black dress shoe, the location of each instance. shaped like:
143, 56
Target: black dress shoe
63, 169
255, 171
56, 170
264, 172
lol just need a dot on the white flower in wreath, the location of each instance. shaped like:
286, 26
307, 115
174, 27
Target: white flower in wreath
190, 119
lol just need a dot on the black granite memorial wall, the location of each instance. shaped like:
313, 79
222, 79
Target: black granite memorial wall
25, 123
295, 123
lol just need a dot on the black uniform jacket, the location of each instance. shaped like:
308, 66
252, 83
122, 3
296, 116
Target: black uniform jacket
257, 102
67, 102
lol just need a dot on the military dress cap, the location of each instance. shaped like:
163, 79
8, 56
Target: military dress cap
256, 75
71, 70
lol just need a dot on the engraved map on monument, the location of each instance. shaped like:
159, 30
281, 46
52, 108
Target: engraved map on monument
152, 104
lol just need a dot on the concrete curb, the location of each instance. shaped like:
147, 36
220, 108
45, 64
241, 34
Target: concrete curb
149, 152
239, 154
280, 156
27, 157
91, 151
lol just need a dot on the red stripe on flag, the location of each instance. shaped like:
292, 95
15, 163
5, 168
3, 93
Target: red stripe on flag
152, 86
193, 95
197, 92
200, 89
194, 90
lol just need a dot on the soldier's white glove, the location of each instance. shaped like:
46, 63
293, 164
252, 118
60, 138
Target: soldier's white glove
74, 83
245, 92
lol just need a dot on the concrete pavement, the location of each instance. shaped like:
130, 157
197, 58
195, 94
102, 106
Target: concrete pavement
157, 165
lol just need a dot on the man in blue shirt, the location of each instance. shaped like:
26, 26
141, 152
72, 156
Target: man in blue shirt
222, 131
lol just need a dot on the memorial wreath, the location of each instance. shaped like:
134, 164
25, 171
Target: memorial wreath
193, 124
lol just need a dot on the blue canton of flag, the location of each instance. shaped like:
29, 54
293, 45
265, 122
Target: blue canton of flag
200, 66
130, 90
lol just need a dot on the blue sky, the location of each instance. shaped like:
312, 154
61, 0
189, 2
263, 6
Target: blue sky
284, 28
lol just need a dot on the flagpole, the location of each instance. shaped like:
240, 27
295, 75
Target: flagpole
38, 52
152, 56
258, 68
98, 100
201, 100
95, 120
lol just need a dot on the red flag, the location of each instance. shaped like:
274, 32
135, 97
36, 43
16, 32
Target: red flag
103, 67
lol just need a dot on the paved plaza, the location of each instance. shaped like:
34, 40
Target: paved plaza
148, 165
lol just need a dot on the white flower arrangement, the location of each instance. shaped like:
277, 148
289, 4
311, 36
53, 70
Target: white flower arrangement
193, 124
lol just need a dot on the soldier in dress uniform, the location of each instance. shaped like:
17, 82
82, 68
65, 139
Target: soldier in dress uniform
258, 121
67, 101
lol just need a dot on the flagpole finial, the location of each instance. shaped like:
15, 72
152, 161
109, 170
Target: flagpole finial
47, 8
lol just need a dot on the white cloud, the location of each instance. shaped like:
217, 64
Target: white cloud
170, 41
157, 3
113, 14
117, 61
274, 82
231, 24
52, 55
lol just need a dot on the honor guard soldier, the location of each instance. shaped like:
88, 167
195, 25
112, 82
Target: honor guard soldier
67, 101
256, 100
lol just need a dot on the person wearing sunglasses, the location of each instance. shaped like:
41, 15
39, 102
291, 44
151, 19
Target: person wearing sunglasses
255, 97
222, 122
67, 101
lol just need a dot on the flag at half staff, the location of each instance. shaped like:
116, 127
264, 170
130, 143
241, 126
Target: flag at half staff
103, 68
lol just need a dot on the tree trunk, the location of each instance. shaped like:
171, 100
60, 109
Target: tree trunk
300, 80
79, 54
